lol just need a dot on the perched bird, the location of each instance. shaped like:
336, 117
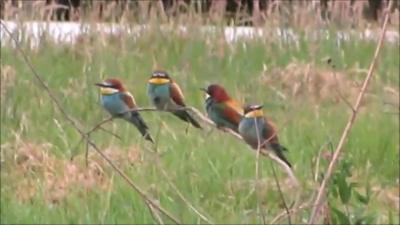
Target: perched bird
165, 94
118, 101
255, 129
222, 109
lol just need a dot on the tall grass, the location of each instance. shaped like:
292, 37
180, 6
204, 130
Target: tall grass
211, 169
297, 14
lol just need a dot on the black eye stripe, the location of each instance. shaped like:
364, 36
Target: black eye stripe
108, 85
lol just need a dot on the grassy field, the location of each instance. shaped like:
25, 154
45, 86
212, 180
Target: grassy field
212, 170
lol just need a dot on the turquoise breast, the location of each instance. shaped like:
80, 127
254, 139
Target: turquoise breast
159, 95
247, 129
114, 104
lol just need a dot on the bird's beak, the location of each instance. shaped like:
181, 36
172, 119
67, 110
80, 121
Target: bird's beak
100, 84
203, 89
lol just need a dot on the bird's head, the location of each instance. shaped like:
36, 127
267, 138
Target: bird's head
251, 111
159, 77
110, 86
217, 92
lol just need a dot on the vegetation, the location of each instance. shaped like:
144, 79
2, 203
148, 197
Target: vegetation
348, 14
212, 170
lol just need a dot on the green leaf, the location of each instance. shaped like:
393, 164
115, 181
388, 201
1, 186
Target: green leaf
342, 218
344, 190
363, 199
334, 191
364, 220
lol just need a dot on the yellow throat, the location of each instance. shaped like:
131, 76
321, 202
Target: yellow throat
108, 91
254, 113
157, 80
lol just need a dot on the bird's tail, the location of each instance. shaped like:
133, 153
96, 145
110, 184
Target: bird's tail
139, 123
278, 150
183, 115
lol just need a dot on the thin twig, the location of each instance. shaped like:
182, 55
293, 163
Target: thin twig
110, 132
257, 171
164, 173
346, 131
187, 202
293, 211
155, 214
190, 205
88, 135
281, 194
110, 118
259, 146
270, 154
80, 141
97, 126
81, 132
339, 92
317, 163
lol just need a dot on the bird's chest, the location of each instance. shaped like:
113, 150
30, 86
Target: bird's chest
214, 112
251, 130
159, 95
211, 109
113, 104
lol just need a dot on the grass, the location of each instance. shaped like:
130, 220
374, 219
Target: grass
214, 171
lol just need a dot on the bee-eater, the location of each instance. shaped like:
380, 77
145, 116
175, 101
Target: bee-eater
221, 108
165, 94
118, 102
255, 129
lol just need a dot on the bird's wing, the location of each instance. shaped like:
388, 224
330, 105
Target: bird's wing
269, 131
229, 113
235, 105
128, 99
176, 94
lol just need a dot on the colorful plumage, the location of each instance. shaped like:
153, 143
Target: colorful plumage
255, 129
165, 94
222, 109
118, 101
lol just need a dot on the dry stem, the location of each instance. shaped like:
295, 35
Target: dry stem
346, 131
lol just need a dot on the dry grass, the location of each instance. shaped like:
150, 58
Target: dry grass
300, 14
7, 79
37, 171
306, 81
388, 196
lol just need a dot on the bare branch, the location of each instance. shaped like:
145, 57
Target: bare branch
155, 214
346, 131
81, 132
